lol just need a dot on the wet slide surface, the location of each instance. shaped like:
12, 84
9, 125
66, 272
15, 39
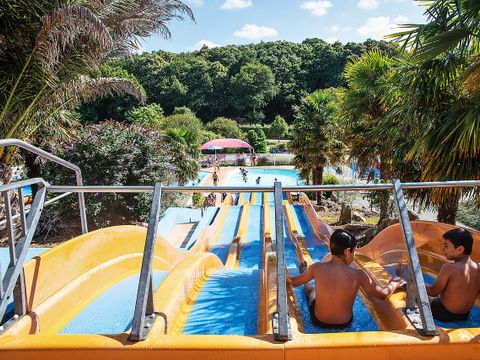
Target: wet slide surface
362, 319
473, 320
226, 305
316, 248
111, 312
228, 232
251, 253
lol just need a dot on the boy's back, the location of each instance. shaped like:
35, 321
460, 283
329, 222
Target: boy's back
462, 280
336, 287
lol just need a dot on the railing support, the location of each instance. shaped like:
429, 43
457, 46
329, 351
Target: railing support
418, 307
281, 318
144, 314
12, 283
60, 161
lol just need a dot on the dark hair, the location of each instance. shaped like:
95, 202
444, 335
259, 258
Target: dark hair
341, 240
460, 237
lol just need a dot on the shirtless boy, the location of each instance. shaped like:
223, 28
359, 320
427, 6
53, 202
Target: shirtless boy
458, 283
336, 284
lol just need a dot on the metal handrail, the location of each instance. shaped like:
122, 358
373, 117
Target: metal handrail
417, 309
144, 314
13, 281
78, 173
281, 319
302, 188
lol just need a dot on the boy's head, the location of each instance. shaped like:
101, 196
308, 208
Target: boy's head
457, 242
342, 244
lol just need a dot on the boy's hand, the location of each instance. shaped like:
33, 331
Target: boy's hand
398, 283
289, 278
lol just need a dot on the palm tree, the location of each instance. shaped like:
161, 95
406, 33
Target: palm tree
362, 110
441, 96
315, 139
50, 52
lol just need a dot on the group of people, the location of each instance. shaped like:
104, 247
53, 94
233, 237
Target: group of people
244, 173
453, 293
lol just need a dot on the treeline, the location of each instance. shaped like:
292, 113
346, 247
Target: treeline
250, 83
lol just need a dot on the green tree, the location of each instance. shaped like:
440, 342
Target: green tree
224, 127
148, 115
362, 110
279, 128
260, 145
51, 50
251, 88
314, 136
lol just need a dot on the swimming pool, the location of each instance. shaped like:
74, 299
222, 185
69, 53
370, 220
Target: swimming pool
288, 177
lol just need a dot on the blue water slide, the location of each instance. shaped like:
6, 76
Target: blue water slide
259, 198
228, 232
315, 247
251, 253
208, 218
111, 312
362, 320
226, 305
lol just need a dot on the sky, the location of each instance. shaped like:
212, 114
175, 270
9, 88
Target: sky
225, 22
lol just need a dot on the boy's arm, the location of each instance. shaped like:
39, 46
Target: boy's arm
440, 282
303, 278
377, 290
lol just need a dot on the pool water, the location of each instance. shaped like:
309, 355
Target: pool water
267, 177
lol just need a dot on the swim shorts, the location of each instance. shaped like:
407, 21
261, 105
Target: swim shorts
326, 325
441, 313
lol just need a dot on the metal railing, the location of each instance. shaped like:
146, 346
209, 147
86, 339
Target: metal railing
13, 283
78, 173
418, 310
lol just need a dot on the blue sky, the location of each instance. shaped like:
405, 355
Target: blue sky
224, 22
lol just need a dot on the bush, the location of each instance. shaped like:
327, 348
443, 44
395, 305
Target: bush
112, 153
329, 179
224, 127
149, 115
187, 121
279, 148
279, 128
469, 214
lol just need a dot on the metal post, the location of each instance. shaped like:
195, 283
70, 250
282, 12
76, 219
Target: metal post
418, 307
144, 314
281, 318
13, 281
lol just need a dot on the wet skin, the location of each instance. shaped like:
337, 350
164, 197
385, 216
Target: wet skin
458, 283
336, 286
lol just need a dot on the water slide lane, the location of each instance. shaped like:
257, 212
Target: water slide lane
258, 199
315, 247
362, 319
251, 247
473, 320
221, 247
111, 312
226, 305
291, 259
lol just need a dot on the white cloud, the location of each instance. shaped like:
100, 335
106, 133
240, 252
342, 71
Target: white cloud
377, 27
207, 43
317, 8
401, 19
253, 32
368, 4
331, 40
236, 4
337, 28
196, 2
